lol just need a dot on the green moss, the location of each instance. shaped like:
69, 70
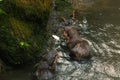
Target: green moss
24, 30
31, 7
21, 30
25, 45
2, 12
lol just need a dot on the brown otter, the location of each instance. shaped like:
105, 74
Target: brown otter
46, 67
51, 57
79, 48
43, 71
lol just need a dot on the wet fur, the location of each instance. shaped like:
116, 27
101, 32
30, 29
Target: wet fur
46, 66
79, 48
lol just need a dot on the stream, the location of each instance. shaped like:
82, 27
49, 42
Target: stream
102, 32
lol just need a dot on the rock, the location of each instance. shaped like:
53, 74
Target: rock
25, 20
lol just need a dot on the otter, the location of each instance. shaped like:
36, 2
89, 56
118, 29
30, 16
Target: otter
78, 47
45, 68
51, 57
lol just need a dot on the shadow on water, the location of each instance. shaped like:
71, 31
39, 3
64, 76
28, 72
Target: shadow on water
23, 73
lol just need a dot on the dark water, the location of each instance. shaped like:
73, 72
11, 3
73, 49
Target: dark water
17, 74
103, 33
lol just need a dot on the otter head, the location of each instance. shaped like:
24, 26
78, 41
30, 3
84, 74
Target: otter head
66, 31
51, 57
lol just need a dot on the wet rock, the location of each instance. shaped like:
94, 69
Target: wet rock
23, 21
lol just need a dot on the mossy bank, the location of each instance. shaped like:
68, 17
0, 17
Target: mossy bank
23, 33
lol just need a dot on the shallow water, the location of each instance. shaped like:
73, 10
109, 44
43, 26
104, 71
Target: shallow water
103, 33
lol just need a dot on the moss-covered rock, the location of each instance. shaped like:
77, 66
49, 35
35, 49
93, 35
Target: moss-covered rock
30, 9
23, 29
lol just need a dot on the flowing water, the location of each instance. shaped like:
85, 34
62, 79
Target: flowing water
99, 24
102, 30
